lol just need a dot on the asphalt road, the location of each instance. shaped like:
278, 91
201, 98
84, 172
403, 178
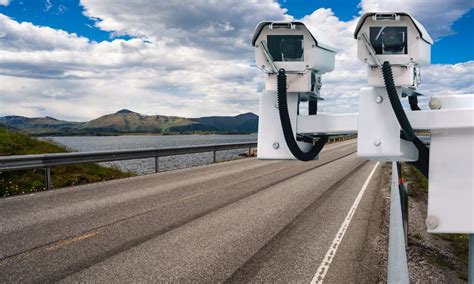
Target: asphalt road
246, 220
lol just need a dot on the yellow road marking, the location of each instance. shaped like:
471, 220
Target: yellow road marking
66, 242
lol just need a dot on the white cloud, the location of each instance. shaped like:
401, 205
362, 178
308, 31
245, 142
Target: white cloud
223, 27
436, 15
183, 61
47, 5
4, 2
340, 87
57, 93
149, 77
28, 37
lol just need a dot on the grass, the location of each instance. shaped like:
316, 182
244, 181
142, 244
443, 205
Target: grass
21, 182
418, 182
418, 236
459, 243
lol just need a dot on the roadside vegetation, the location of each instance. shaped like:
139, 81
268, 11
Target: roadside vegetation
457, 257
21, 182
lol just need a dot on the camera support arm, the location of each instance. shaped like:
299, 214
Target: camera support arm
268, 56
371, 50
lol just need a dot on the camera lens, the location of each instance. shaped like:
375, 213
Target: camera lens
291, 48
286, 47
393, 41
389, 40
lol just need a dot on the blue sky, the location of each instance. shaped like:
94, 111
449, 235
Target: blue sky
445, 50
68, 15
77, 60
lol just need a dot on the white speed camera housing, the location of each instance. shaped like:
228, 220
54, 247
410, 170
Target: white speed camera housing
397, 38
294, 46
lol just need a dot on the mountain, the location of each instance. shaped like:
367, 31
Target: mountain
127, 121
37, 125
247, 122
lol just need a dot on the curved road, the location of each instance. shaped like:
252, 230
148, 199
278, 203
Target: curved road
240, 221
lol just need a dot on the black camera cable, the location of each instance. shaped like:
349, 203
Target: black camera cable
422, 164
286, 124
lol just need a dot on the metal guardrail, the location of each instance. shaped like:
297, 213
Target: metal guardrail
398, 232
340, 138
46, 161
397, 256
25, 162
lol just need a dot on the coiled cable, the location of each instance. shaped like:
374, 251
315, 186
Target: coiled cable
422, 164
286, 124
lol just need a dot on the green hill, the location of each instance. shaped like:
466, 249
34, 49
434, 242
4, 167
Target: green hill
129, 121
19, 182
247, 122
126, 121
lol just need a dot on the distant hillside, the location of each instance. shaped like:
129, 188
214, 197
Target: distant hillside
126, 121
37, 125
247, 122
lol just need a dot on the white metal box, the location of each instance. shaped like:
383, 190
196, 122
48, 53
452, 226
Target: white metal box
451, 185
451, 175
296, 83
271, 142
403, 76
378, 135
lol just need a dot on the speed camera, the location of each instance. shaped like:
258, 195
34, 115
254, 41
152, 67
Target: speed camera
397, 38
294, 46
394, 37
294, 56
298, 48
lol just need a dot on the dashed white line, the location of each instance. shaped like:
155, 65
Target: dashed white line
328, 258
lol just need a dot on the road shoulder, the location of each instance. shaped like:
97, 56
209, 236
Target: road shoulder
361, 254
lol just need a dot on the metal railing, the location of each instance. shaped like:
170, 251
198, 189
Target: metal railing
398, 232
46, 161
340, 138
397, 256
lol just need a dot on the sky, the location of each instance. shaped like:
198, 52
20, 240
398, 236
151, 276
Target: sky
77, 60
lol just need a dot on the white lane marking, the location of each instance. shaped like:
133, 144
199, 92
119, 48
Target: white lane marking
328, 258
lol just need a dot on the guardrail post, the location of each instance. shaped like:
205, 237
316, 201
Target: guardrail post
403, 201
250, 151
214, 156
47, 178
471, 259
397, 256
157, 164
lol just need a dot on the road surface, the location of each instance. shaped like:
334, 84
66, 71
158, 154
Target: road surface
238, 221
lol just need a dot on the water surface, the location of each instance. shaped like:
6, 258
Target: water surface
142, 166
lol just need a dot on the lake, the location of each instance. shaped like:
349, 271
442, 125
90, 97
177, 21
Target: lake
143, 166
